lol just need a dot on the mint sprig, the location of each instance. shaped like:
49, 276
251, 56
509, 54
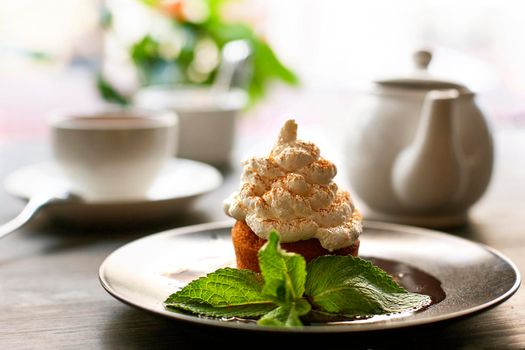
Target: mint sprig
346, 285
287, 315
288, 290
284, 282
226, 292
284, 273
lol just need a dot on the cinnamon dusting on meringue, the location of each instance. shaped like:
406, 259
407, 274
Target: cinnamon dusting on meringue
292, 191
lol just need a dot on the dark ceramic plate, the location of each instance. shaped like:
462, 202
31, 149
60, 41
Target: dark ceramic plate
461, 276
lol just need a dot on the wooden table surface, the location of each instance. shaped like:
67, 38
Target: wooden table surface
50, 296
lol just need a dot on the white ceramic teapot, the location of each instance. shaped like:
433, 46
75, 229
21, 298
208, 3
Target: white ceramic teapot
421, 152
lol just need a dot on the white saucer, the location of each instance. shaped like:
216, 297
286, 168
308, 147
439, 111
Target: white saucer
181, 181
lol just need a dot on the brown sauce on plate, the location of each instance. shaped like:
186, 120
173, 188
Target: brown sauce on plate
412, 279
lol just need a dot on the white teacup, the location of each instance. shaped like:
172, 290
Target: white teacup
208, 118
115, 154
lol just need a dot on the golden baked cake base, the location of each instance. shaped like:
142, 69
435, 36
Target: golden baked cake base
247, 244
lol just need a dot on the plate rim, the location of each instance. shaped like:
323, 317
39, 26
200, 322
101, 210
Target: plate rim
210, 185
354, 328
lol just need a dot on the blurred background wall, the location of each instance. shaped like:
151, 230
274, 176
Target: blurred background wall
333, 45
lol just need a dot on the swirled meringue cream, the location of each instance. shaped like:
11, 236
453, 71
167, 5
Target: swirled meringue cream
292, 191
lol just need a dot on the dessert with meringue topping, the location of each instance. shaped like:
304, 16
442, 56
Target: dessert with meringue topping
292, 192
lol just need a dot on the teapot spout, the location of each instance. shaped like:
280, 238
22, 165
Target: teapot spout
428, 174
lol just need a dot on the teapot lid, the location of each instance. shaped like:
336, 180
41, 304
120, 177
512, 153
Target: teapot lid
421, 77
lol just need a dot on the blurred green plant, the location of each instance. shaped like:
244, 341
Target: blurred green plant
188, 52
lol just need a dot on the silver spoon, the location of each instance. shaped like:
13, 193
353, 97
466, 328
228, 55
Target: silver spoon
34, 205
233, 55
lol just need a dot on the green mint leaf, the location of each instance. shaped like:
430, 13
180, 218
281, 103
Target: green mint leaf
354, 287
284, 273
227, 292
287, 315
